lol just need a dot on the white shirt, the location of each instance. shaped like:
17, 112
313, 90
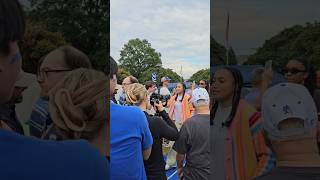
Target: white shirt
164, 91
177, 110
217, 137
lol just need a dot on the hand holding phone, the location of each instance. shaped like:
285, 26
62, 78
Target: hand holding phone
193, 85
159, 106
268, 73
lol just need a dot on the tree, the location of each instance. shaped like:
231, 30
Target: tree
138, 56
292, 42
36, 43
161, 72
218, 54
122, 73
83, 23
201, 74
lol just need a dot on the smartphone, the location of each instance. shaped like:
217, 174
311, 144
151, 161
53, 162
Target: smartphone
268, 65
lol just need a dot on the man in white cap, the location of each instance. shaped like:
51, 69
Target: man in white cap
164, 89
8, 110
291, 125
194, 140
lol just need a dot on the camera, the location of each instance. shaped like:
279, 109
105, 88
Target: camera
157, 97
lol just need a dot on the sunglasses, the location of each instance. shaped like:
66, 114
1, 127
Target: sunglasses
292, 71
202, 84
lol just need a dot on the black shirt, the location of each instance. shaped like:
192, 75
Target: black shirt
9, 116
160, 128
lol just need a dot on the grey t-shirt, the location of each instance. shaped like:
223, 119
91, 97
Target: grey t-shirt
217, 138
194, 141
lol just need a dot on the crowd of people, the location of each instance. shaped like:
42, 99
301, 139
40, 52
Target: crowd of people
66, 135
266, 132
269, 132
144, 119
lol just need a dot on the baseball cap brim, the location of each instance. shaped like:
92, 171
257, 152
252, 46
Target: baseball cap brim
165, 79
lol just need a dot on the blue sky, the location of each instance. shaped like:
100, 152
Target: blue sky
179, 30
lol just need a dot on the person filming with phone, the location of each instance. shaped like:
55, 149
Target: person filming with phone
161, 126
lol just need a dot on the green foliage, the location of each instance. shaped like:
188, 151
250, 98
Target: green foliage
36, 43
138, 56
161, 72
292, 42
122, 73
83, 23
218, 54
201, 74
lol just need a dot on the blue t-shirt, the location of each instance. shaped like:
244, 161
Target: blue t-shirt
129, 136
30, 158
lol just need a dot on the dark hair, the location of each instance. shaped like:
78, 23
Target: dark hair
149, 84
203, 80
12, 24
238, 82
184, 91
206, 83
75, 58
113, 68
310, 81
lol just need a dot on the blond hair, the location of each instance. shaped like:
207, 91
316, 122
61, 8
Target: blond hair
135, 94
77, 104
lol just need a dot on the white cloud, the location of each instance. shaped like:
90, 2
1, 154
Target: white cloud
179, 31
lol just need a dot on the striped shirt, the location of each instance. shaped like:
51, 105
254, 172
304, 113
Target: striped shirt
246, 154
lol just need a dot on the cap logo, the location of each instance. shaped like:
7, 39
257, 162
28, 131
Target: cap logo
286, 109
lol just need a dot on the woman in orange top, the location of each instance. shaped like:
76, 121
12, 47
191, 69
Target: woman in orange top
180, 108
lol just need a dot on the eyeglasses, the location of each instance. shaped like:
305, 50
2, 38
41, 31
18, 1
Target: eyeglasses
41, 75
292, 71
202, 84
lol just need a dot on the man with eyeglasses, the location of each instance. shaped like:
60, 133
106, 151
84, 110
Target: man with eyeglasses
52, 69
29, 158
125, 83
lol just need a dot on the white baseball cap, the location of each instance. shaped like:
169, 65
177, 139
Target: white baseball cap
200, 94
288, 100
165, 79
